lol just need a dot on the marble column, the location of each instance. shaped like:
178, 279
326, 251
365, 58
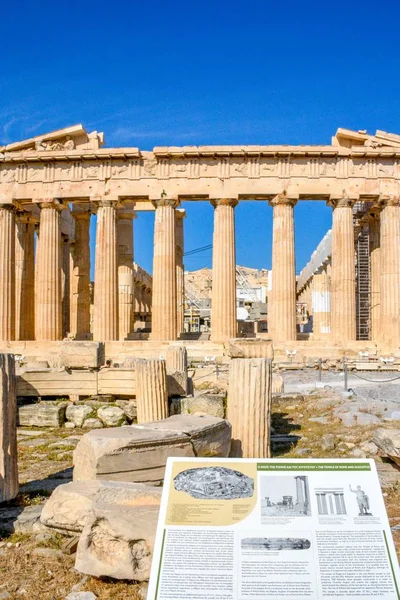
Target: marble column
282, 321
105, 317
80, 273
223, 299
249, 406
375, 277
390, 272
164, 272
151, 390
180, 214
321, 304
65, 283
125, 215
25, 277
8, 429
48, 309
343, 280
7, 272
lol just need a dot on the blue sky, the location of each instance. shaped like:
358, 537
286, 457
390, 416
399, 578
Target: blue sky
209, 72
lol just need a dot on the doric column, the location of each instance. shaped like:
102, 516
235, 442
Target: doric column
80, 273
48, 309
105, 317
180, 214
25, 277
282, 319
125, 270
223, 301
164, 271
390, 272
321, 304
151, 390
375, 277
65, 282
249, 406
8, 429
343, 280
7, 272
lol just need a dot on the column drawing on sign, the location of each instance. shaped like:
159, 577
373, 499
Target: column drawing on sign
330, 501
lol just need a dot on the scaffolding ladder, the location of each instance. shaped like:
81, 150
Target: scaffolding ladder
363, 290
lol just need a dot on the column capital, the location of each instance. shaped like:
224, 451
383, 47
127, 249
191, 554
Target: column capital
388, 201
224, 202
7, 206
283, 199
173, 202
101, 202
180, 213
53, 203
343, 202
126, 213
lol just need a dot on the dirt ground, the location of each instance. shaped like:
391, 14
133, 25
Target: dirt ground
34, 566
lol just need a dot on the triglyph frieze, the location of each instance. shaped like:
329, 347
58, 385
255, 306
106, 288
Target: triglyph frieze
74, 164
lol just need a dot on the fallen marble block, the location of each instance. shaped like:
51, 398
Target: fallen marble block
81, 355
117, 541
68, 507
177, 383
209, 404
388, 441
42, 415
138, 453
250, 348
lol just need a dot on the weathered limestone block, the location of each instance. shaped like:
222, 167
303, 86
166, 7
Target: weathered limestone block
249, 406
78, 414
129, 407
208, 404
277, 384
388, 440
41, 415
151, 390
82, 355
116, 381
117, 541
250, 348
177, 383
56, 382
138, 453
112, 416
69, 505
176, 358
8, 429
92, 423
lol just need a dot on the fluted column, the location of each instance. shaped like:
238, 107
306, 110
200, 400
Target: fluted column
180, 214
282, 318
125, 270
151, 390
375, 277
164, 272
343, 280
105, 317
223, 300
321, 304
66, 283
249, 406
7, 272
48, 309
390, 272
80, 274
8, 429
25, 277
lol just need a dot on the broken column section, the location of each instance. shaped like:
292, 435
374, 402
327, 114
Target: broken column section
249, 407
151, 390
8, 429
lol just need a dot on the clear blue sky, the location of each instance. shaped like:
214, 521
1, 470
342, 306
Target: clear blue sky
209, 72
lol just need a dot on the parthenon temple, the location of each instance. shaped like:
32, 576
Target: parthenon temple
52, 184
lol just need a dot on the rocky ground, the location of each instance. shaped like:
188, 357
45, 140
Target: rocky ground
307, 422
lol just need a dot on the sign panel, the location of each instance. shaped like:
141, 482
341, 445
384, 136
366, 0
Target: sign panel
254, 529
